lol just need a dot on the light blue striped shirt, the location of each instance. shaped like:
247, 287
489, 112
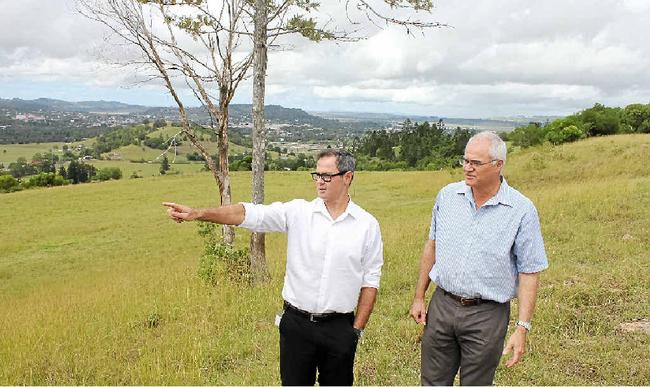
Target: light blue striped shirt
479, 253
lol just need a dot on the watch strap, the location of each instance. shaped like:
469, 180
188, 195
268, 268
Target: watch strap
525, 324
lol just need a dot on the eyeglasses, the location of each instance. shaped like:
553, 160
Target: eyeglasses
474, 163
326, 177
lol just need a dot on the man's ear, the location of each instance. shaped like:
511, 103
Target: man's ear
350, 174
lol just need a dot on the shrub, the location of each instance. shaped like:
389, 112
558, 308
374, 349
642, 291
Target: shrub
45, 179
601, 120
566, 134
644, 127
109, 173
529, 135
634, 116
219, 258
9, 183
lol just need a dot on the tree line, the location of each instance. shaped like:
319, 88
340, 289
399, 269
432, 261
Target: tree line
244, 161
598, 120
421, 146
41, 171
425, 146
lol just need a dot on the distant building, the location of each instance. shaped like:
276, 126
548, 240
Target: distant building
29, 117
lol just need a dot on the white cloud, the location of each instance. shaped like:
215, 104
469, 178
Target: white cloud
501, 57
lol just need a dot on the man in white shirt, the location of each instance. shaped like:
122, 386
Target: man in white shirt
334, 259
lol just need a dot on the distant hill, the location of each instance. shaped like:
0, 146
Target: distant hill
355, 121
498, 124
56, 105
238, 112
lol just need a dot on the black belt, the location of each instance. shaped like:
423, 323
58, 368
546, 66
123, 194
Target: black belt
314, 317
466, 301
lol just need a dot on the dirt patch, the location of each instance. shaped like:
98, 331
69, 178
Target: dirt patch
641, 325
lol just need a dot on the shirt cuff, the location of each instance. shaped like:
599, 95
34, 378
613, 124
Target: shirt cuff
370, 281
250, 216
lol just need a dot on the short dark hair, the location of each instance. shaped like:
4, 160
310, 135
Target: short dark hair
344, 159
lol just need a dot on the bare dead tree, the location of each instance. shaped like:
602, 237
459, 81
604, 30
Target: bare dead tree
161, 30
155, 28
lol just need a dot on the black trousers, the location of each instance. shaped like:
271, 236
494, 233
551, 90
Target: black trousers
466, 337
328, 346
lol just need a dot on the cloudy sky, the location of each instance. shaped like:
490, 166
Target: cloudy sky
499, 58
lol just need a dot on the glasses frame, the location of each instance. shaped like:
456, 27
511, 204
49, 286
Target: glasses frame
474, 163
326, 177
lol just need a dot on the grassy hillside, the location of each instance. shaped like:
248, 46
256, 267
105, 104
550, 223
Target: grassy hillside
98, 287
11, 152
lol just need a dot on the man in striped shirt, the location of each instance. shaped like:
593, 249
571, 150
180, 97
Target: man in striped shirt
485, 247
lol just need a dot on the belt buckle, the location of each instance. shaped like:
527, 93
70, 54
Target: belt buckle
468, 301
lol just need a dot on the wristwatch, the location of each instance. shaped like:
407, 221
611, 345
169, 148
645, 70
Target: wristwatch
359, 332
525, 324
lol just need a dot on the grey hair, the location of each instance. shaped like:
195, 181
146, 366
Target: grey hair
344, 159
497, 150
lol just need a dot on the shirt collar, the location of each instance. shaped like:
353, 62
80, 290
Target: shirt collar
502, 196
352, 209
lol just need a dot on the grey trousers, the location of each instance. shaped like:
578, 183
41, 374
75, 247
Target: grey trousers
469, 337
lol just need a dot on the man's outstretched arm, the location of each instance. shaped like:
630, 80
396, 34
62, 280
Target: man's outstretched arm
233, 214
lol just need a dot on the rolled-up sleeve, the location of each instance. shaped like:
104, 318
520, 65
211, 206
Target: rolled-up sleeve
529, 244
373, 259
265, 218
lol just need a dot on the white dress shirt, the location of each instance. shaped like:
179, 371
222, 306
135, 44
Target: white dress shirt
328, 260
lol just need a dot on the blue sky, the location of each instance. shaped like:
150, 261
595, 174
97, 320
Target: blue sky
501, 58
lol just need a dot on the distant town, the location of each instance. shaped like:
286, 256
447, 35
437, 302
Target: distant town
47, 120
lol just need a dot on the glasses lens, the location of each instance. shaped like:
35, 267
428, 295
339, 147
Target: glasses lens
323, 176
461, 162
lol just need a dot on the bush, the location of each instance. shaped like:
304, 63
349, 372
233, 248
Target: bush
644, 127
567, 134
219, 258
529, 135
109, 173
45, 179
9, 183
194, 156
601, 120
635, 115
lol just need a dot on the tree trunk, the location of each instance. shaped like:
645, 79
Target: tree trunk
228, 232
257, 247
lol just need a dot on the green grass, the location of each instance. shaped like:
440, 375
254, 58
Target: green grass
147, 169
14, 151
11, 152
98, 287
136, 153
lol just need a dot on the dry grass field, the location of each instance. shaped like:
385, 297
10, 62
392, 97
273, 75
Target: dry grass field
98, 287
